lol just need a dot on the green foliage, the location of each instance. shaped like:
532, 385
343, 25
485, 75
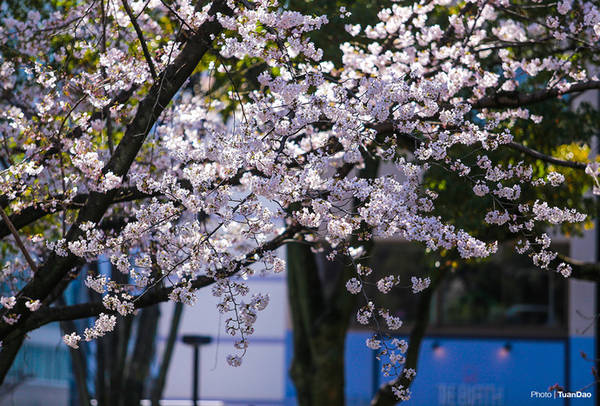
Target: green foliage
564, 133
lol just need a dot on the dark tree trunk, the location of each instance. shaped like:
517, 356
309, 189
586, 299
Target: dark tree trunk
79, 363
8, 354
138, 366
116, 356
158, 384
319, 330
101, 387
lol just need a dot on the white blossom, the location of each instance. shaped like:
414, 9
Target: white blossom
419, 284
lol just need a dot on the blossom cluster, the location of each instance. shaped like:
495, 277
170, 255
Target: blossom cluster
217, 184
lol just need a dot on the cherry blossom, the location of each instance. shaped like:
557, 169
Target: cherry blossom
122, 152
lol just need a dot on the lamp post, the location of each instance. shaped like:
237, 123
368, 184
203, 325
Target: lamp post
196, 341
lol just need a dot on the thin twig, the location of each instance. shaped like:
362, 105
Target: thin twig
547, 158
140, 35
15, 234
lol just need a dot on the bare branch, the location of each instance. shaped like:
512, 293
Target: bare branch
140, 35
589, 271
518, 99
546, 158
15, 234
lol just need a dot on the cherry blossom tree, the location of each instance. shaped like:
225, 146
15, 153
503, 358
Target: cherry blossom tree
120, 144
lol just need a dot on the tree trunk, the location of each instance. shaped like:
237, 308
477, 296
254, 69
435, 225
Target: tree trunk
159, 383
319, 334
138, 366
8, 353
78, 362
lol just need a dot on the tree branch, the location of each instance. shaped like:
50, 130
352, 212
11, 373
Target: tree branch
77, 131
18, 241
389, 127
518, 99
150, 108
85, 310
31, 214
9, 353
140, 35
546, 158
588, 271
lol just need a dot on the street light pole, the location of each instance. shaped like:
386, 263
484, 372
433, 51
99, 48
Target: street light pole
196, 341
196, 384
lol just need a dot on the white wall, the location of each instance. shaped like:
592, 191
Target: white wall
262, 374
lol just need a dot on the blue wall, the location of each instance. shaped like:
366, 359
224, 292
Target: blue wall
484, 372
473, 371
580, 369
